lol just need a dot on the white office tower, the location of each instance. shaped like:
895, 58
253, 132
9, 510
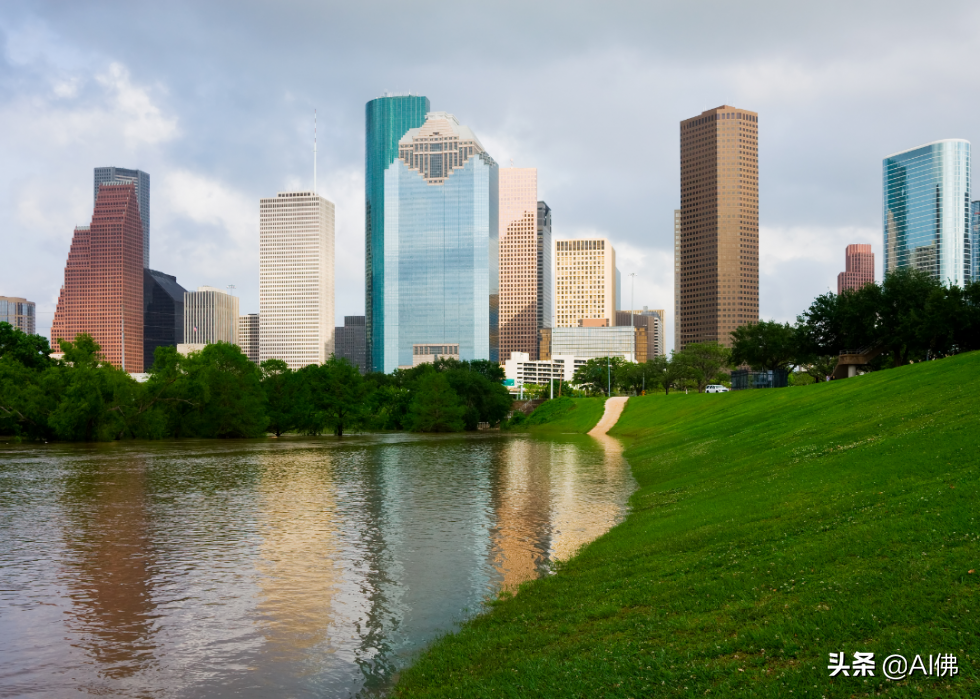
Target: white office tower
296, 278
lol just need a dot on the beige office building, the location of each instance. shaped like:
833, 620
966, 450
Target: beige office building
296, 278
653, 321
210, 315
719, 246
585, 281
19, 312
518, 235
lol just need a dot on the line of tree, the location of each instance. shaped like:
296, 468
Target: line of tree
217, 392
906, 318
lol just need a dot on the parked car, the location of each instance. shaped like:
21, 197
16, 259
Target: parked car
716, 388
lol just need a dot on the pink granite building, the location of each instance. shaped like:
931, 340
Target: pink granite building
860, 268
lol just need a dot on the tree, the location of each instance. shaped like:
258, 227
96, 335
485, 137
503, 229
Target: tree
665, 372
340, 394
31, 351
435, 407
282, 394
902, 313
702, 361
766, 345
596, 375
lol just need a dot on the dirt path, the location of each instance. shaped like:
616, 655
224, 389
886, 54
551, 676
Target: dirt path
614, 408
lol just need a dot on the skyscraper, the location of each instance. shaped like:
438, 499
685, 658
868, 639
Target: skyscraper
719, 246
677, 280
975, 241
103, 290
210, 315
585, 281
546, 296
926, 210
163, 313
387, 119
19, 312
859, 268
349, 342
248, 336
440, 280
519, 277
139, 179
296, 278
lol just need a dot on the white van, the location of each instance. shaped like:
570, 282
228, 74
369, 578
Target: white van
716, 388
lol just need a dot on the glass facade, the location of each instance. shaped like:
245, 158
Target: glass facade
440, 278
19, 312
975, 241
592, 343
163, 313
926, 210
387, 119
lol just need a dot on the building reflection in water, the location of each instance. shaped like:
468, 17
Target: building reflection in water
588, 494
299, 567
108, 567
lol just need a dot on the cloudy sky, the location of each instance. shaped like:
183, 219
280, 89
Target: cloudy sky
215, 100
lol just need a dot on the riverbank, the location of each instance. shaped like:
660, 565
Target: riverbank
564, 416
770, 529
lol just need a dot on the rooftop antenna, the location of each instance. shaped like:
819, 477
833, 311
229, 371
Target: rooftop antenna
314, 152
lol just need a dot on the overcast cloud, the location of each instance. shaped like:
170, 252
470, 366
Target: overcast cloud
215, 100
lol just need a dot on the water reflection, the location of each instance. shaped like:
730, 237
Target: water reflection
297, 567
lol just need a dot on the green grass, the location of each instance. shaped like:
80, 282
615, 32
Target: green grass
565, 415
770, 528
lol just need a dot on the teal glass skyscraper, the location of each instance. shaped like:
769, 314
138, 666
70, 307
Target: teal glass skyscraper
441, 265
926, 210
387, 119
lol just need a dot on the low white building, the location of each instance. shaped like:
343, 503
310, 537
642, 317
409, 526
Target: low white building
521, 370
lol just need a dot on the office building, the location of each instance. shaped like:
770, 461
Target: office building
521, 370
585, 281
677, 280
387, 119
248, 336
428, 354
140, 180
975, 241
102, 294
163, 313
926, 210
545, 261
719, 245
520, 305
859, 268
653, 321
441, 266
19, 312
296, 278
350, 343
210, 316
590, 343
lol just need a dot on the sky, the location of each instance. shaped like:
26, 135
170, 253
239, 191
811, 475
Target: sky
216, 99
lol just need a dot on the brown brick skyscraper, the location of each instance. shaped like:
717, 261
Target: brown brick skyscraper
103, 290
719, 237
860, 266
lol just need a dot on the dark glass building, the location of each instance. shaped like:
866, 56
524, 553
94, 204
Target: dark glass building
926, 210
349, 342
387, 119
546, 282
163, 313
121, 175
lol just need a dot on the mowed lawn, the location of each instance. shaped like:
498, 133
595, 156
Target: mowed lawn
566, 415
770, 529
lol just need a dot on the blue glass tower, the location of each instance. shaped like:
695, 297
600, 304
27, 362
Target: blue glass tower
387, 119
441, 269
926, 210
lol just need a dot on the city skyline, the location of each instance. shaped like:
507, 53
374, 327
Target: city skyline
88, 88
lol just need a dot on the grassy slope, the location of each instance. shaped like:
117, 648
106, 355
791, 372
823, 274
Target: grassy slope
565, 415
770, 529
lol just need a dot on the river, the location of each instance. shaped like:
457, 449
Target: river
284, 568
